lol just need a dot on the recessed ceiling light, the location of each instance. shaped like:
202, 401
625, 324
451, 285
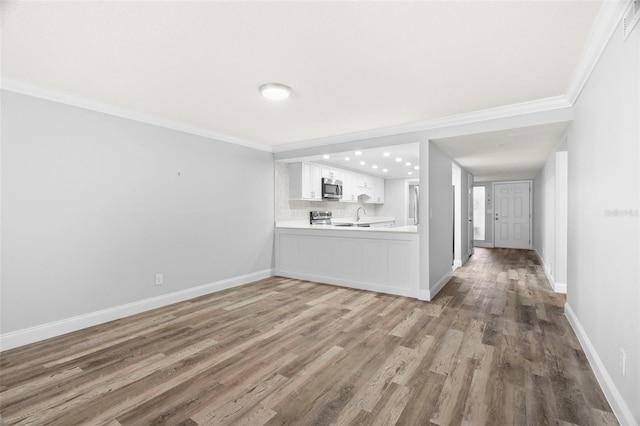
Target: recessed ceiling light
362, 163
410, 173
398, 159
325, 156
347, 158
385, 170
386, 154
374, 166
275, 91
416, 168
408, 163
358, 152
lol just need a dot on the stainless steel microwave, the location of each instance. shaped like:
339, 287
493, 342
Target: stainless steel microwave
331, 189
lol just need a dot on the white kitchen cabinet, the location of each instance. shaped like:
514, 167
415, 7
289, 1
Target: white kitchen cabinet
348, 189
332, 173
378, 191
305, 181
363, 186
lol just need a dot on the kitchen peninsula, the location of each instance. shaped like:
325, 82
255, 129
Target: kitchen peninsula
358, 249
381, 259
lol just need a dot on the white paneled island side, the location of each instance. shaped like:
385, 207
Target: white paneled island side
381, 259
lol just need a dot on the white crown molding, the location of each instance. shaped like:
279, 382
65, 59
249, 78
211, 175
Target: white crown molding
608, 18
606, 23
417, 127
51, 95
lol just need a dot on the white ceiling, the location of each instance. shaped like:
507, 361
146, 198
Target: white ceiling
513, 154
353, 66
393, 162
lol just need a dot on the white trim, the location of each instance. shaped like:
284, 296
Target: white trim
610, 14
560, 287
545, 269
45, 331
457, 264
406, 292
483, 244
618, 404
424, 295
433, 291
513, 110
76, 101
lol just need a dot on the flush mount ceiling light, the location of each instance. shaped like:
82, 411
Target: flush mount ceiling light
275, 91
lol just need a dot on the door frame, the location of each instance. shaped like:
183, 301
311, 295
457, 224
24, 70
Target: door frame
493, 207
470, 243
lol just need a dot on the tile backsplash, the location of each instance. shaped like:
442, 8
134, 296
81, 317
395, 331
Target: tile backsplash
286, 209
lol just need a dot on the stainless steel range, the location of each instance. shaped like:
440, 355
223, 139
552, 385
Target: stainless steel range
320, 218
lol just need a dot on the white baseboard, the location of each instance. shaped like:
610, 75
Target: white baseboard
407, 292
618, 405
433, 291
550, 278
424, 295
29, 335
456, 264
483, 245
560, 287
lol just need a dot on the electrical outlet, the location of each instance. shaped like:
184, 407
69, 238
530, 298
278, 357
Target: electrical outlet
623, 362
159, 279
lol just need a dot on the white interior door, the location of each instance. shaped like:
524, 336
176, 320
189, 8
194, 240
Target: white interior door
512, 210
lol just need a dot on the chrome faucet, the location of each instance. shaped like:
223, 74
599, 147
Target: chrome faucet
358, 213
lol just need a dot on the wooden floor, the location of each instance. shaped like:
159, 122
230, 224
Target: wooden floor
492, 348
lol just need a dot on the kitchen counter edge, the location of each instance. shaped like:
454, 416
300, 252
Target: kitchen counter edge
411, 229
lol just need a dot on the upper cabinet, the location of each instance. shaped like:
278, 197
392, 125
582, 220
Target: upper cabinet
305, 181
348, 191
332, 173
378, 190
363, 185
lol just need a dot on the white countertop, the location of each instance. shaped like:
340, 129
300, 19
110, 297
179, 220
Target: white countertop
304, 224
364, 220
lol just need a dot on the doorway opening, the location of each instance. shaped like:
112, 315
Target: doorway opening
413, 202
456, 181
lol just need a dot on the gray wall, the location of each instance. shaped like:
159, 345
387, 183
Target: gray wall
544, 191
93, 206
550, 217
441, 211
603, 289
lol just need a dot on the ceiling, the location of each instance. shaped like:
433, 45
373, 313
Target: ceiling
513, 154
353, 66
392, 162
